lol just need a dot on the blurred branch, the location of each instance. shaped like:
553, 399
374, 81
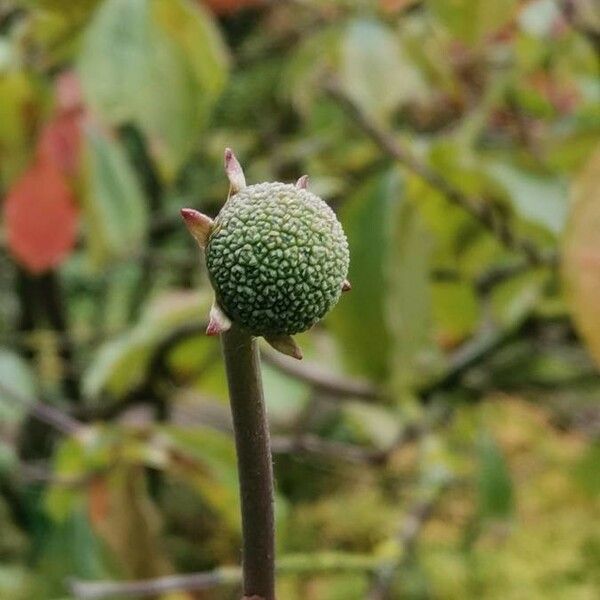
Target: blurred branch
32, 473
312, 444
94, 590
329, 383
319, 379
50, 415
493, 220
497, 275
470, 354
572, 14
308, 443
327, 562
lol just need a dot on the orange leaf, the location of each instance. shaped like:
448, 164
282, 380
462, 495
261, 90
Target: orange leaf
98, 501
40, 217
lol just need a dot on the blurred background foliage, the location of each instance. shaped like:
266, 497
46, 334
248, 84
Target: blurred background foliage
440, 440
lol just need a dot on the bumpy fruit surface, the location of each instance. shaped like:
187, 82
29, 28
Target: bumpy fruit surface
277, 257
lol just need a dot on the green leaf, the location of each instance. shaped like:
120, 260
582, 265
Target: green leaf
193, 29
375, 425
540, 200
122, 363
472, 21
495, 488
17, 377
375, 70
314, 56
69, 549
359, 319
15, 582
158, 64
514, 299
384, 324
408, 301
285, 396
114, 205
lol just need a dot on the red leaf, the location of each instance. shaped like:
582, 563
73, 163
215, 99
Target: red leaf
60, 139
41, 218
60, 142
68, 93
224, 7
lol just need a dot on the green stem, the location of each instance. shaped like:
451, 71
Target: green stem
255, 469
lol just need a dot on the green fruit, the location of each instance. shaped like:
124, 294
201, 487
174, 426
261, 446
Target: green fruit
277, 257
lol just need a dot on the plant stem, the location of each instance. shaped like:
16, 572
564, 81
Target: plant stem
255, 469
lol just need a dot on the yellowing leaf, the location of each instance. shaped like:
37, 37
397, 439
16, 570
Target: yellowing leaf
473, 20
19, 104
581, 254
128, 521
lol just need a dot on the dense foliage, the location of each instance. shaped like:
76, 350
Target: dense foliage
440, 438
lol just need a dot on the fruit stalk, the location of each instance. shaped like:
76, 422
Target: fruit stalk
277, 258
255, 468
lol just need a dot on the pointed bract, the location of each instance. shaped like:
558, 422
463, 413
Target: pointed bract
302, 183
285, 344
346, 285
218, 321
198, 225
234, 171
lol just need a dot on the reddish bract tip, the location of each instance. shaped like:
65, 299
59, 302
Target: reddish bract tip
234, 171
199, 225
213, 328
346, 286
189, 214
218, 322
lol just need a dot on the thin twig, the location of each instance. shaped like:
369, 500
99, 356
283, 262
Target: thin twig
32, 473
472, 353
94, 590
312, 444
46, 413
319, 379
493, 220
326, 562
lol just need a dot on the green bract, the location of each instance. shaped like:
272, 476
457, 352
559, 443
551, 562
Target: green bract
277, 257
